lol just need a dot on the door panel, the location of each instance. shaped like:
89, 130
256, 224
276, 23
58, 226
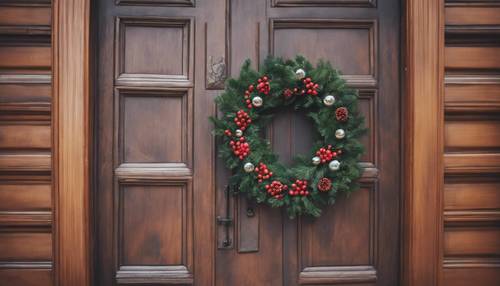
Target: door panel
159, 185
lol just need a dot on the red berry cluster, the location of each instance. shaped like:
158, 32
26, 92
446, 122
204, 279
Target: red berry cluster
228, 132
263, 85
276, 189
341, 114
242, 120
287, 93
299, 188
310, 87
263, 172
248, 102
327, 154
240, 147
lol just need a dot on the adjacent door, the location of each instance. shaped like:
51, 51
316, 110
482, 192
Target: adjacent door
159, 187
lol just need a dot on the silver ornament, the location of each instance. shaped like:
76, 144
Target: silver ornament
316, 160
334, 165
238, 133
340, 133
300, 74
329, 100
257, 101
248, 167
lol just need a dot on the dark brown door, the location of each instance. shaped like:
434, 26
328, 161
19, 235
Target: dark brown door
159, 187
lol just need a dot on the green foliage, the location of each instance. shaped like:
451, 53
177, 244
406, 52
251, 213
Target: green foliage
282, 76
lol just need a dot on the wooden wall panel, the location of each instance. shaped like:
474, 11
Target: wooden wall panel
472, 15
466, 276
472, 57
482, 241
21, 246
34, 196
26, 204
475, 134
30, 275
25, 57
25, 136
472, 97
471, 246
472, 195
25, 16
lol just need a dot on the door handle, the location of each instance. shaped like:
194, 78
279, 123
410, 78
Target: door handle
226, 221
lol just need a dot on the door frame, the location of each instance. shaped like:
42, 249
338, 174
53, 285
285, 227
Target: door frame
422, 117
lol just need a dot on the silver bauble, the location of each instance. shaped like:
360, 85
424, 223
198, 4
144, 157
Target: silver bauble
339, 133
329, 100
334, 165
248, 167
238, 133
257, 101
316, 160
300, 74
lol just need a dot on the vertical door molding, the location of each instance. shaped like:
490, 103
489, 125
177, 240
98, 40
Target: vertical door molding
423, 143
71, 121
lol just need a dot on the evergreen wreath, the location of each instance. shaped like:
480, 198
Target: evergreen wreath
248, 105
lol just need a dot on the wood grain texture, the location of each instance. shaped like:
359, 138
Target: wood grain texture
472, 98
25, 136
472, 134
26, 246
26, 276
25, 16
472, 15
480, 241
466, 276
472, 57
71, 121
29, 57
482, 195
15, 196
424, 147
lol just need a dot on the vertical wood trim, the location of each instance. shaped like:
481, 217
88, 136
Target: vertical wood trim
71, 138
422, 213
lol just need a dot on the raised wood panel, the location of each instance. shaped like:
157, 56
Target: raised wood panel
368, 107
348, 45
20, 246
25, 57
472, 15
25, 136
479, 134
25, 197
26, 276
323, 3
472, 97
347, 231
160, 135
25, 161
472, 162
471, 241
472, 57
25, 96
25, 16
154, 50
467, 276
471, 195
152, 225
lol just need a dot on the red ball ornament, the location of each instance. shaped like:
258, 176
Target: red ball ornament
324, 184
341, 114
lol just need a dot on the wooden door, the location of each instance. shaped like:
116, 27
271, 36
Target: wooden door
158, 185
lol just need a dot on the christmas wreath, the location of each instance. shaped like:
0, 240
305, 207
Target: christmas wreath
247, 106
